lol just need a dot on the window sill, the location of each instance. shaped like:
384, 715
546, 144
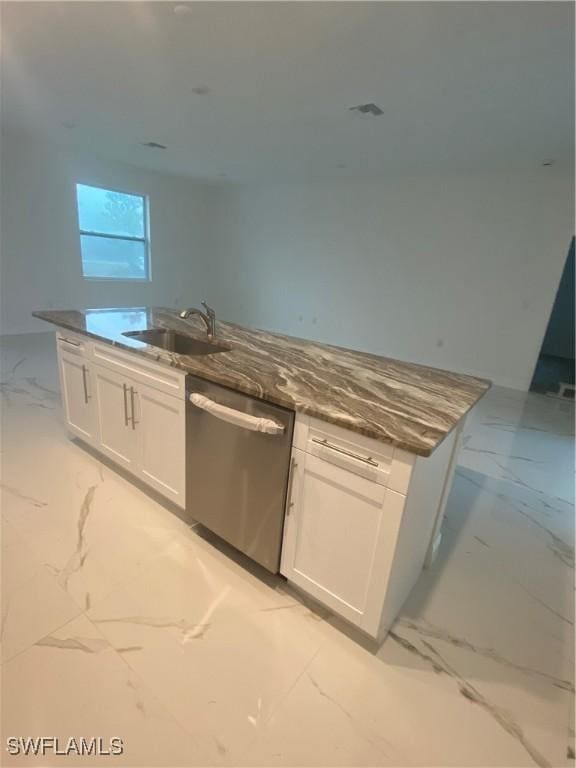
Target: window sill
118, 279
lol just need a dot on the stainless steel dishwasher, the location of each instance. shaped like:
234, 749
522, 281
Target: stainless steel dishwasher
237, 466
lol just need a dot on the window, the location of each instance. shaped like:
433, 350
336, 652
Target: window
113, 234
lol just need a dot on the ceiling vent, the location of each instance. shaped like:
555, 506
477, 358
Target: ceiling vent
153, 145
368, 109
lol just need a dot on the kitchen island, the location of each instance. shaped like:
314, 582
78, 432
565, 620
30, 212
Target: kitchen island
373, 446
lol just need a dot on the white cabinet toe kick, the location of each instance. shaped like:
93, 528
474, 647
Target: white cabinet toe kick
362, 518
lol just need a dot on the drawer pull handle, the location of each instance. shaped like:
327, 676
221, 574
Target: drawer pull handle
325, 444
69, 341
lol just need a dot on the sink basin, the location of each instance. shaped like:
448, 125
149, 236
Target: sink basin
165, 338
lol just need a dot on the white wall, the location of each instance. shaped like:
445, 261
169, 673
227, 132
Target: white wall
458, 272
39, 242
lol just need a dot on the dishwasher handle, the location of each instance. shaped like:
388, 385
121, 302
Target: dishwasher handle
238, 418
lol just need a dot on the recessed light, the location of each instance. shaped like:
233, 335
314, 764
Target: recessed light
370, 109
548, 163
153, 145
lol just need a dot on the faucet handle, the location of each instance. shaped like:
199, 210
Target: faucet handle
209, 311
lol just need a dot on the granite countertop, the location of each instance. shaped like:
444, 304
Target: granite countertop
409, 406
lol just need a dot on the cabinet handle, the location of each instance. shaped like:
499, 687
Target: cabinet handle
84, 382
125, 388
289, 502
69, 341
325, 444
132, 393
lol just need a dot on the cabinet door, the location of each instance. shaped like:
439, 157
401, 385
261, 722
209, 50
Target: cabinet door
339, 538
77, 395
160, 424
116, 426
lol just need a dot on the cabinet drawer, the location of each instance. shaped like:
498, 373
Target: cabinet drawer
361, 455
71, 343
161, 377
343, 453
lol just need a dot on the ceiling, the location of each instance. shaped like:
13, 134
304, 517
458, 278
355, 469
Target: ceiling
262, 91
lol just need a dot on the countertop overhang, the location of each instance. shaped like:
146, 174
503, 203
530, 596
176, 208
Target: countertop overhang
410, 406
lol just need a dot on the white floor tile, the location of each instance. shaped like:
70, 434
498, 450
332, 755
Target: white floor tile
71, 683
195, 660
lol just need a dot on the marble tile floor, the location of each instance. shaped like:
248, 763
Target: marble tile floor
119, 618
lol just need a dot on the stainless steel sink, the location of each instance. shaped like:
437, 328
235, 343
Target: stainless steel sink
165, 338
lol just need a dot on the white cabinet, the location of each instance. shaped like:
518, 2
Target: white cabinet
351, 539
339, 538
115, 401
130, 409
77, 385
160, 424
143, 430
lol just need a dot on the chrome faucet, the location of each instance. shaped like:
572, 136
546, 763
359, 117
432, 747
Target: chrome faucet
209, 318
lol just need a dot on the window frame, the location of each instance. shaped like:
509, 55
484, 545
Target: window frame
145, 239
